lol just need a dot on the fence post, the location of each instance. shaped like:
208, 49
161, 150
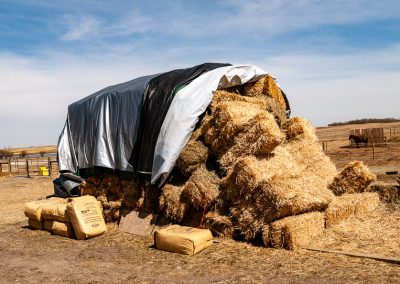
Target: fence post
49, 162
27, 168
373, 150
9, 165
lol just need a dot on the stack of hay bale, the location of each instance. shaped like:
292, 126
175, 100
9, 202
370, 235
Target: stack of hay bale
248, 172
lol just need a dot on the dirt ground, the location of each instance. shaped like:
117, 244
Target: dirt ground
31, 256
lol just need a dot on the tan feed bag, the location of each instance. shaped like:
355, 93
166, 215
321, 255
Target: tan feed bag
55, 211
59, 228
35, 224
33, 210
184, 240
86, 217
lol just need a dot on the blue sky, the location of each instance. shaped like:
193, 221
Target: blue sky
336, 60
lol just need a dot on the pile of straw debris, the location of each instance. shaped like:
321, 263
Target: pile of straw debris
248, 172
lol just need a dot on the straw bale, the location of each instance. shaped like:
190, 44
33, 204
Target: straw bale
228, 119
367, 202
349, 205
264, 102
194, 154
248, 172
87, 188
355, 177
202, 189
296, 231
291, 196
225, 96
220, 226
172, 204
259, 137
311, 160
247, 221
299, 128
265, 235
112, 204
388, 192
111, 215
340, 209
266, 86
255, 88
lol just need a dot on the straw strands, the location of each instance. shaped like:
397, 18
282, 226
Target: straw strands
249, 172
171, 203
296, 231
355, 177
202, 189
349, 205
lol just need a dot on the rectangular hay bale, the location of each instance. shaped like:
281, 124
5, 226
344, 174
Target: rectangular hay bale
220, 225
388, 192
194, 154
172, 203
349, 205
296, 232
355, 177
259, 136
291, 196
184, 240
228, 119
202, 188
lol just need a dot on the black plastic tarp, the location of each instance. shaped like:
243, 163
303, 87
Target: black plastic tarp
156, 101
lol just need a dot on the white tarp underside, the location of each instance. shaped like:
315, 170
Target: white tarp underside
185, 109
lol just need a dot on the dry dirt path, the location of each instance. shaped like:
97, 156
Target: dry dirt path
36, 256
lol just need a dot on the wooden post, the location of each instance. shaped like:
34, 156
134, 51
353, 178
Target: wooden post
1, 168
49, 165
27, 168
373, 150
17, 164
9, 165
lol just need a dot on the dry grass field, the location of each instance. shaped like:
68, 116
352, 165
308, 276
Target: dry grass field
36, 256
34, 150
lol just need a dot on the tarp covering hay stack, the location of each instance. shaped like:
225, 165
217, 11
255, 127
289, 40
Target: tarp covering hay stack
248, 172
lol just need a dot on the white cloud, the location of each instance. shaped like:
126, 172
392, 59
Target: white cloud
35, 93
80, 27
286, 15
